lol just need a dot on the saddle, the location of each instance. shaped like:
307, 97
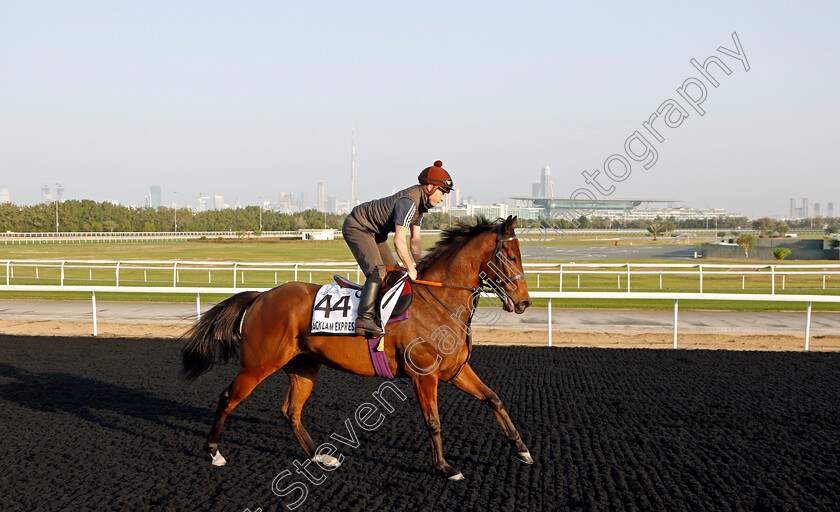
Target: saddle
392, 278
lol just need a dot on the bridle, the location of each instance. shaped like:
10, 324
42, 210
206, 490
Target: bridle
498, 283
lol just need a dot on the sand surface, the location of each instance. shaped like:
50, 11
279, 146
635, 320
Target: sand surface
512, 335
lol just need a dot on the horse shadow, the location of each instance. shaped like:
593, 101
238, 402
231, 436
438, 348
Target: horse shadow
105, 404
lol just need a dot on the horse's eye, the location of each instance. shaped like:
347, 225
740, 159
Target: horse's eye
512, 258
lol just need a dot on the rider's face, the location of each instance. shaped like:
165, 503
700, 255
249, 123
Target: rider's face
436, 197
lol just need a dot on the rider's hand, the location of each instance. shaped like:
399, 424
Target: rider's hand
412, 273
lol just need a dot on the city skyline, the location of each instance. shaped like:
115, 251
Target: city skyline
723, 106
290, 202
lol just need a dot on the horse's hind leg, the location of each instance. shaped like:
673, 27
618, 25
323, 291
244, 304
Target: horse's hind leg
425, 387
302, 372
245, 382
469, 382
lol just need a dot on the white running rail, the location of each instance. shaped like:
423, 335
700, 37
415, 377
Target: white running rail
676, 297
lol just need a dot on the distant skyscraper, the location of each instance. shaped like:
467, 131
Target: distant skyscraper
219, 202
546, 184
816, 209
59, 192
354, 185
830, 212
154, 196
330, 204
792, 207
4, 195
322, 206
303, 203
457, 196
202, 203
536, 189
804, 207
45, 194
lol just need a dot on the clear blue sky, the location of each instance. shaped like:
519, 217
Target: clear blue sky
109, 98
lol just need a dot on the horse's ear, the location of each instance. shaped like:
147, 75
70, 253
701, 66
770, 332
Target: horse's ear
509, 224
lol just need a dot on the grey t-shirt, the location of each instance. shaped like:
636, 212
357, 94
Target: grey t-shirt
381, 216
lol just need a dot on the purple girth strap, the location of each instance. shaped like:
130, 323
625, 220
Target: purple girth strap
380, 361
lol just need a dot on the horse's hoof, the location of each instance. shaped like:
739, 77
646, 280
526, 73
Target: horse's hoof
451, 473
525, 457
326, 460
217, 459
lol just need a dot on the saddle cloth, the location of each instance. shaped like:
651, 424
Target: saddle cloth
336, 307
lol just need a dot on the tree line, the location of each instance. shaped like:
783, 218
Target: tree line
90, 216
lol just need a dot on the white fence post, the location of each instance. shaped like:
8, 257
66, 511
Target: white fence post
234, 274
549, 321
93, 301
197, 306
773, 279
62, 273
560, 289
175, 274
807, 326
700, 267
676, 309
118, 273
628, 278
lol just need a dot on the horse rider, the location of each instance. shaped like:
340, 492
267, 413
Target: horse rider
366, 231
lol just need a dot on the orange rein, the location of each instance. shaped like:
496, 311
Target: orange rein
428, 283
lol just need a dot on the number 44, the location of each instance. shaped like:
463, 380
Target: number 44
343, 305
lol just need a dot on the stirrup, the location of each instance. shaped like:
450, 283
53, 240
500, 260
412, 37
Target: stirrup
368, 332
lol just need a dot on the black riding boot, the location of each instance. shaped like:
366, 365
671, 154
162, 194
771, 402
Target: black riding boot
366, 320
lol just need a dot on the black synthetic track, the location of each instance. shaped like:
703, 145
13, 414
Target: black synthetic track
106, 424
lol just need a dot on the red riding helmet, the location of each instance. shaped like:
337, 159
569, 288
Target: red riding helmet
436, 175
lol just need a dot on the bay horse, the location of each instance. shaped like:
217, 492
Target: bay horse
271, 330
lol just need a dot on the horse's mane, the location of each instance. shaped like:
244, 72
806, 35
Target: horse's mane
456, 236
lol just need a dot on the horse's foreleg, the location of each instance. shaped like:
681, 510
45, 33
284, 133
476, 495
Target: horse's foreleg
246, 380
469, 382
302, 373
425, 387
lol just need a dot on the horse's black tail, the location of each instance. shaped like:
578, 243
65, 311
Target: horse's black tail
215, 337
